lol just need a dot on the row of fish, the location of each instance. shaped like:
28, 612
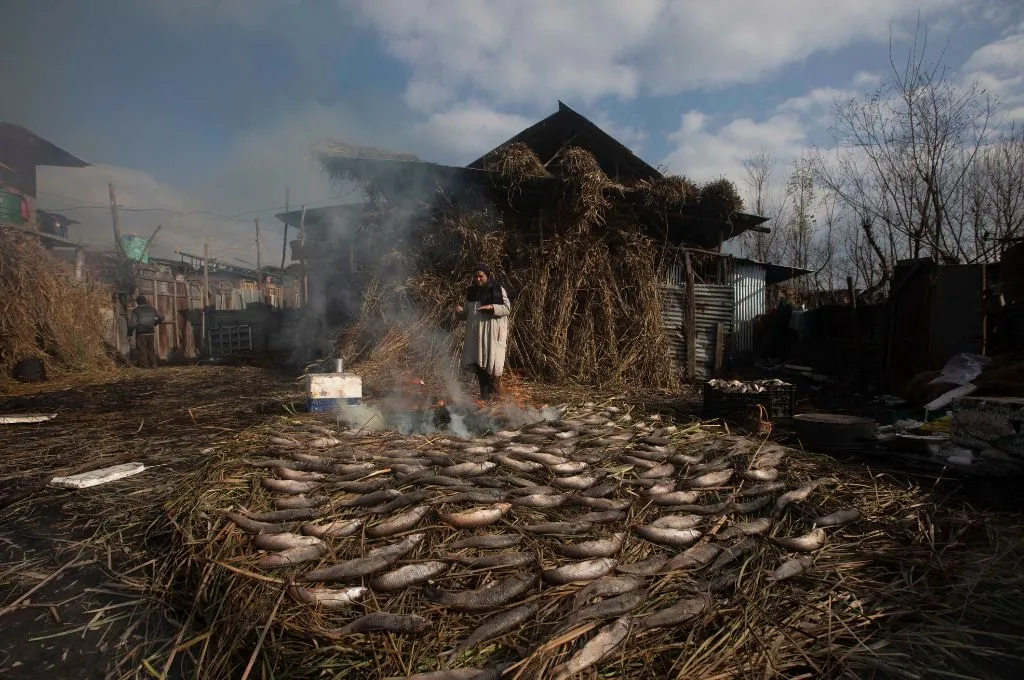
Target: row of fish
604, 486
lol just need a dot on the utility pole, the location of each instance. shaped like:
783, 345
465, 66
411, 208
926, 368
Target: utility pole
259, 268
284, 246
206, 286
115, 218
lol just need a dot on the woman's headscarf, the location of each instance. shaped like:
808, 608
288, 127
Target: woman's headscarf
487, 294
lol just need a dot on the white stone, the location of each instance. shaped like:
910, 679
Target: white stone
96, 477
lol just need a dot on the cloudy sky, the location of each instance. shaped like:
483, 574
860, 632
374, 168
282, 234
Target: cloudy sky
201, 110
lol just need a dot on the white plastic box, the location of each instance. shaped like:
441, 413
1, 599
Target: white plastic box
328, 391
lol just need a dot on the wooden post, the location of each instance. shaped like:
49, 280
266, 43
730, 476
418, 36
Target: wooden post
303, 284
853, 321
175, 341
79, 263
691, 319
284, 244
206, 288
719, 347
156, 331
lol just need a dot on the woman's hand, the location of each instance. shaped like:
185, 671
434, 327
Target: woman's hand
458, 309
485, 308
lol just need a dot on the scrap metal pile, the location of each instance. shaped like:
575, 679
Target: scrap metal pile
588, 541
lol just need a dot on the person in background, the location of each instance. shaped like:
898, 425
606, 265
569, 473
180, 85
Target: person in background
486, 312
144, 320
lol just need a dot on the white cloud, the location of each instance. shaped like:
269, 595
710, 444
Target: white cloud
706, 151
534, 51
999, 68
468, 130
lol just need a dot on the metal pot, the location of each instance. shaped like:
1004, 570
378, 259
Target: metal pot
835, 432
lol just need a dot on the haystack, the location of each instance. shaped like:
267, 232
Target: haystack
46, 315
584, 274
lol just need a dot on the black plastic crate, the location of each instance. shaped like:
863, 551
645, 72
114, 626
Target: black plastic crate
779, 401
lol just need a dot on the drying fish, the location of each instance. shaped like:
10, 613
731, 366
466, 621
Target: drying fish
478, 450
283, 442
732, 553
709, 480
770, 456
659, 472
587, 570
652, 565
686, 459
716, 465
837, 518
254, 527
383, 621
505, 560
762, 490
521, 449
760, 474
488, 597
519, 465
337, 529
487, 482
472, 519
398, 549
361, 487
662, 488
677, 521
293, 502
539, 501
674, 498
656, 441
757, 526
697, 556
602, 517
324, 442
409, 470
790, 568
588, 549
408, 575
311, 459
328, 598
381, 496
751, 506
299, 476
570, 468
403, 501
600, 646
469, 469
292, 556
809, 542
496, 625
507, 434
607, 586
601, 503
606, 609
711, 509
487, 541
566, 434
655, 454
482, 496
534, 490
441, 480
794, 496
353, 468
680, 612
548, 459
350, 570
400, 523
543, 429
670, 537
639, 462
288, 486
558, 528
284, 541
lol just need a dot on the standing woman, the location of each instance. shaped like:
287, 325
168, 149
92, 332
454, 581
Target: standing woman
486, 314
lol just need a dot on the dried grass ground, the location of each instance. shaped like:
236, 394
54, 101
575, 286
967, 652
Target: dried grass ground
106, 607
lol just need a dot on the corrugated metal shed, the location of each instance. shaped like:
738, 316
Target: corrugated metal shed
748, 282
713, 305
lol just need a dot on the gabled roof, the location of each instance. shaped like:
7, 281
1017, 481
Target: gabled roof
46, 152
565, 128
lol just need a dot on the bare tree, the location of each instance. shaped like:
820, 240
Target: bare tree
1001, 193
905, 156
767, 202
